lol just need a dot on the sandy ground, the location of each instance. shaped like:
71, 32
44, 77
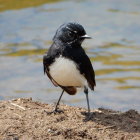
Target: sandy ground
24, 119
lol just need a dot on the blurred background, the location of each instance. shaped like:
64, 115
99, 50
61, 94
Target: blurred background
26, 31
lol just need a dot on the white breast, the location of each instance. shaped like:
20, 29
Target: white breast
65, 73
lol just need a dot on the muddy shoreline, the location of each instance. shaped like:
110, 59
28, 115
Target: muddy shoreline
25, 119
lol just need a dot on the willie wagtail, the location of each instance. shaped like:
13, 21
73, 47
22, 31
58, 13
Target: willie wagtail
66, 63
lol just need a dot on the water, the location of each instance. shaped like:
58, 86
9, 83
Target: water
26, 30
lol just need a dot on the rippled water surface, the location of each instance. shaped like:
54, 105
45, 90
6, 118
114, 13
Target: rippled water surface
26, 30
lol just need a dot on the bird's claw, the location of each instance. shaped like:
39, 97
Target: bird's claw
56, 111
88, 117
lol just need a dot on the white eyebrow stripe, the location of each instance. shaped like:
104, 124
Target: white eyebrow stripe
71, 30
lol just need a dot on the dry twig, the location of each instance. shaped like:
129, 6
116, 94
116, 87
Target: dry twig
18, 106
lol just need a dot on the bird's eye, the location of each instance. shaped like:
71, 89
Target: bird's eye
70, 34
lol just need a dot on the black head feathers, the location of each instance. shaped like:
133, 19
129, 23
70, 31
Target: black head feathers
70, 33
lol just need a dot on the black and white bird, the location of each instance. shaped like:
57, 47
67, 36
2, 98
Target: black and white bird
66, 63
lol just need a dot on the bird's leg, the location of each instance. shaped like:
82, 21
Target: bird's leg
86, 92
56, 107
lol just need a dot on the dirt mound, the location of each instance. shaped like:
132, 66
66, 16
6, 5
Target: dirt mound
25, 119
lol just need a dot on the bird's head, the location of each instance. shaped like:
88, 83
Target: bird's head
71, 33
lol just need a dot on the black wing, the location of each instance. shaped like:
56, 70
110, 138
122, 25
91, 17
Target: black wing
45, 63
87, 70
50, 56
48, 59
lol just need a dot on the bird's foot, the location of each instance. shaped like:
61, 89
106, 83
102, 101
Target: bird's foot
88, 116
56, 111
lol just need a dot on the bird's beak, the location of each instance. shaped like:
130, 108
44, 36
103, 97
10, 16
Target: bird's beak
86, 36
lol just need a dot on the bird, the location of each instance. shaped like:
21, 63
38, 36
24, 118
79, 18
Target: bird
66, 62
